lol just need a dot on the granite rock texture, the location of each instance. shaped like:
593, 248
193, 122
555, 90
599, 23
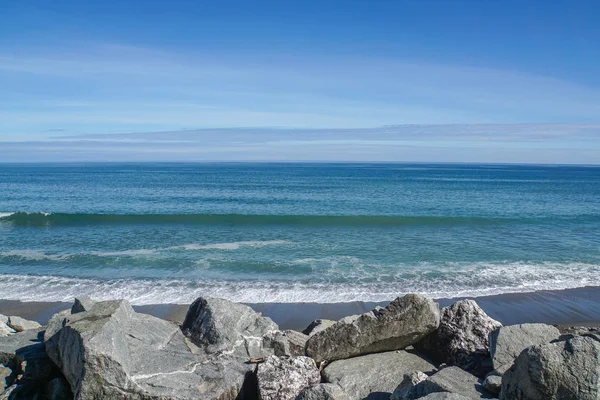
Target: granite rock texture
403, 322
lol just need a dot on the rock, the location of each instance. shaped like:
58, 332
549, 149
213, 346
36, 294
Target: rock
5, 330
112, 352
59, 389
500, 370
7, 377
81, 304
403, 322
7, 394
508, 342
19, 347
283, 378
21, 324
493, 384
462, 338
453, 380
55, 324
317, 326
323, 391
375, 375
406, 388
443, 396
221, 326
553, 371
25, 355
573, 331
286, 343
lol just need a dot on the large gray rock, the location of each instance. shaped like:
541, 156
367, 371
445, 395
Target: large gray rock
21, 324
508, 342
555, 371
5, 329
221, 326
283, 378
323, 391
111, 352
403, 322
317, 326
453, 380
375, 375
462, 338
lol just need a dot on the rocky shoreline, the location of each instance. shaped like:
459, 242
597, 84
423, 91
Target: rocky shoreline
409, 349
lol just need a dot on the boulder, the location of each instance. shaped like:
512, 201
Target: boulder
462, 338
286, 343
112, 352
508, 342
283, 378
21, 324
323, 391
81, 304
5, 329
554, 371
493, 384
406, 389
221, 326
31, 368
375, 375
453, 380
317, 326
403, 322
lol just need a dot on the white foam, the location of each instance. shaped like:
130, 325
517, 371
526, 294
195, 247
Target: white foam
230, 245
5, 214
37, 255
124, 253
34, 255
474, 280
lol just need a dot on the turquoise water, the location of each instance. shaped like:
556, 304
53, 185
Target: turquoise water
167, 233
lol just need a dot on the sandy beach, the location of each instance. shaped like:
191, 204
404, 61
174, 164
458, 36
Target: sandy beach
568, 307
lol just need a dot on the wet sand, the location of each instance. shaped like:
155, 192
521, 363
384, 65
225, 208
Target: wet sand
568, 307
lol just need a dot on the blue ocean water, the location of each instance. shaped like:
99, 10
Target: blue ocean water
167, 233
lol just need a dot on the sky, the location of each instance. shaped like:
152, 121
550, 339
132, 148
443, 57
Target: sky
425, 81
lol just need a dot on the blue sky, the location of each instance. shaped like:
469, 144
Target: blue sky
498, 81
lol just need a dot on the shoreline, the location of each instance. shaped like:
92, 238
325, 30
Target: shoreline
579, 306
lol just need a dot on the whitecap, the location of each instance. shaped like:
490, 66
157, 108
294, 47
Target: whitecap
230, 245
34, 255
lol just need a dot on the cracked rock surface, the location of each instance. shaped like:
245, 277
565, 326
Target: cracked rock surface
112, 352
283, 378
555, 371
403, 322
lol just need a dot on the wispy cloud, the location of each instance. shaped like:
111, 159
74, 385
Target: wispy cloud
113, 88
520, 143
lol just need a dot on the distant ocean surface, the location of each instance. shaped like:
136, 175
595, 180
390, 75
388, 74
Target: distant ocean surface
167, 233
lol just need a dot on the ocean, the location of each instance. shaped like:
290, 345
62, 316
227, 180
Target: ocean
168, 233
